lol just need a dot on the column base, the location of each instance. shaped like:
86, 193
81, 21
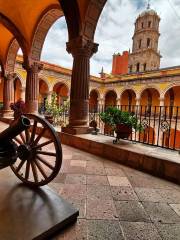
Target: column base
7, 113
77, 130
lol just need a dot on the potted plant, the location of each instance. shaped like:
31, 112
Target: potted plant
54, 112
121, 122
18, 108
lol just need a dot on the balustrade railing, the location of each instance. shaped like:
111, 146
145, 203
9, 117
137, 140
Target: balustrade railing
161, 125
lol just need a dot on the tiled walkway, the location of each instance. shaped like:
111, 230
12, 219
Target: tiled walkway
116, 202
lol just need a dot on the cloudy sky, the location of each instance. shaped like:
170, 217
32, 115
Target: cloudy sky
114, 34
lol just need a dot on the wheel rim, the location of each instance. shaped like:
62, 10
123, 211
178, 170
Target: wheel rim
39, 158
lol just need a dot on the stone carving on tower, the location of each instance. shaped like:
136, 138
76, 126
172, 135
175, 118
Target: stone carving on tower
145, 55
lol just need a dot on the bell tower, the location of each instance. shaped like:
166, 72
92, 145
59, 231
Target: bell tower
145, 55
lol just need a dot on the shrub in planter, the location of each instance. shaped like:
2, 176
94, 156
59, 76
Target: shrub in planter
122, 122
18, 107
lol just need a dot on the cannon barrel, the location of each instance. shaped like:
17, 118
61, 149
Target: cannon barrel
15, 129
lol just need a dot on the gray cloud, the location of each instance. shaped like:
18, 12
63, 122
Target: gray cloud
114, 34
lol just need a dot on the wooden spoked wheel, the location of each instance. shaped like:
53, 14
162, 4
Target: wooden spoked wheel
39, 153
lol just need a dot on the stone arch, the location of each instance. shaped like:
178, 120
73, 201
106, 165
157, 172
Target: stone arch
43, 78
23, 81
11, 56
169, 87
110, 89
91, 18
72, 16
62, 91
110, 98
46, 20
43, 94
93, 100
97, 91
149, 97
147, 87
128, 99
17, 89
17, 34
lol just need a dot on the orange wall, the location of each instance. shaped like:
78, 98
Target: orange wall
1, 90
120, 63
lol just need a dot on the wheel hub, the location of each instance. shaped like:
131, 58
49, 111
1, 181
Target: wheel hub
24, 152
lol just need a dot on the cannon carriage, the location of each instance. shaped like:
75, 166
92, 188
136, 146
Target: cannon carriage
32, 148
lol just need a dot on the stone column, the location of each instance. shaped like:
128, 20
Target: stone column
138, 107
81, 50
32, 86
8, 94
49, 95
22, 93
118, 102
161, 104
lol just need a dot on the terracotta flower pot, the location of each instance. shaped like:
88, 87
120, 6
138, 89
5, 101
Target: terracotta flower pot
123, 131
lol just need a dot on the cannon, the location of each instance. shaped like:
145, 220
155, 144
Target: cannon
32, 148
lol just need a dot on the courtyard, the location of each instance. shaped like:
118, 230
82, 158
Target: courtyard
114, 201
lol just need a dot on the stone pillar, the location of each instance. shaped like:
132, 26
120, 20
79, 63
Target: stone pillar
118, 102
138, 107
22, 93
101, 104
32, 86
81, 50
49, 95
161, 104
8, 94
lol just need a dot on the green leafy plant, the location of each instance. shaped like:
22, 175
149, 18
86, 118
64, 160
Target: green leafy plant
112, 116
56, 111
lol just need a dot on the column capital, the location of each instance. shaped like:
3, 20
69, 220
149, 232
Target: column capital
10, 76
81, 47
33, 66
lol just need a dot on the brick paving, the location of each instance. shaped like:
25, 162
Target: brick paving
115, 202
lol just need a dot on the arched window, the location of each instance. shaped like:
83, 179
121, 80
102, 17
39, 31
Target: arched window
142, 24
149, 24
140, 41
137, 67
148, 42
144, 66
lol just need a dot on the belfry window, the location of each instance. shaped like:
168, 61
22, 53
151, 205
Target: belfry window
149, 24
140, 41
137, 67
142, 24
144, 66
148, 42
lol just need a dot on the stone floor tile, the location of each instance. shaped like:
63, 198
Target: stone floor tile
78, 163
100, 209
149, 194
79, 204
97, 180
123, 193
111, 164
117, 181
95, 169
77, 231
131, 211
61, 177
140, 231
75, 179
98, 192
104, 230
176, 208
140, 179
73, 191
169, 231
161, 212
114, 171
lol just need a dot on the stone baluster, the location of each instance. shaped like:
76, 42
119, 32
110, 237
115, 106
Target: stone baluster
81, 50
32, 86
8, 93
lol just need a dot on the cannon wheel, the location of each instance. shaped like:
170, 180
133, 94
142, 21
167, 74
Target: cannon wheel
39, 153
